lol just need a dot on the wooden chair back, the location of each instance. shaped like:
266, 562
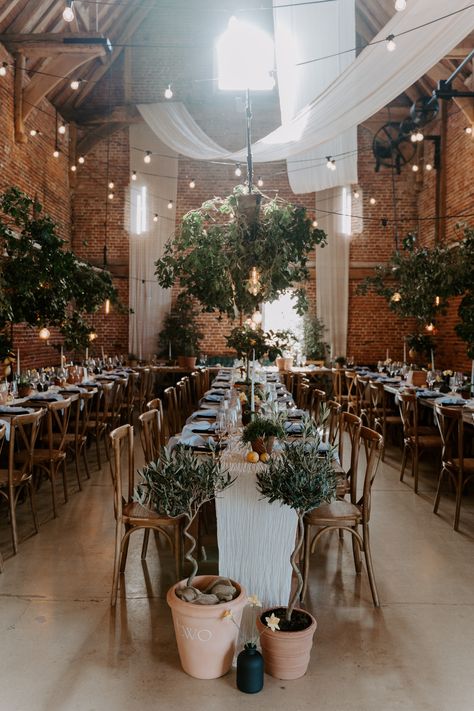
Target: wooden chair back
408, 405
349, 436
156, 404
122, 447
317, 397
150, 434
24, 431
352, 393
58, 414
372, 445
171, 409
331, 429
451, 429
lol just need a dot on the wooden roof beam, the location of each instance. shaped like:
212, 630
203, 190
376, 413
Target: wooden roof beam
27, 19
438, 72
100, 133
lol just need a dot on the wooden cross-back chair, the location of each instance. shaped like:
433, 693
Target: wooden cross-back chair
99, 418
150, 434
171, 409
156, 404
417, 439
382, 414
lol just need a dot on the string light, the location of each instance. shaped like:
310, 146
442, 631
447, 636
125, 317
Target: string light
428, 167
356, 194
260, 182
415, 168
35, 132
92, 336
430, 327
68, 12
107, 306
468, 130
257, 317
155, 217
44, 333
391, 44
372, 201
62, 128
170, 205
168, 92
416, 136
396, 297
134, 174
437, 300
111, 196
111, 185
73, 168
238, 171
253, 284
400, 5
56, 153
3, 69
81, 160
192, 183
147, 158
75, 84
315, 223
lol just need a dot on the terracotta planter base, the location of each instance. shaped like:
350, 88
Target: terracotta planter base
286, 654
187, 362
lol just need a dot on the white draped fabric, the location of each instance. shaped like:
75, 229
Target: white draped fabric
374, 79
332, 270
300, 33
149, 195
250, 531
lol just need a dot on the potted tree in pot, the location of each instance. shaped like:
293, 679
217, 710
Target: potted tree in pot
302, 478
261, 433
179, 484
180, 335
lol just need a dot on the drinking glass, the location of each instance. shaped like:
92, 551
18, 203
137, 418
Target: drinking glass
221, 424
430, 379
303, 361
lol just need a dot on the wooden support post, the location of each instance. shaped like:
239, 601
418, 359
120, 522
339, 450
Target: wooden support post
443, 177
20, 66
72, 148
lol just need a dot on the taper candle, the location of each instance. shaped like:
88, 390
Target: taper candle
404, 350
18, 361
252, 389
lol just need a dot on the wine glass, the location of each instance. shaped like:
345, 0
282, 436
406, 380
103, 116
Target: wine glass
430, 379
221, 425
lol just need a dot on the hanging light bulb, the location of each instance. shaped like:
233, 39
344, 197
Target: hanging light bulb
238, 171
260, 182
413, 137
437, 300
192, 183
170, 205
419, 136
168, 92
134, 174
468, 130
111, 185
44, 333
333, 164
68, 12
81, 160
400, 5
328, 162
147, 158
257, 317
111, 196
428, 167
107, 306
396, 297
372, 201
391, 44
35, 132
155, 217
315, 223
73, 168
62, 128
92, 336
253, 284
430, 327
415, 168
56, 153
356, 194
3, 69
75, 84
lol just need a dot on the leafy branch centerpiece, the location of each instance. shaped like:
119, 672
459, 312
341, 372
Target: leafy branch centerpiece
261, 433
231, 259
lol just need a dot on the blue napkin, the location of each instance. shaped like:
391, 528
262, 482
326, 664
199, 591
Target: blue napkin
5, 410
452, 400
293, 427
424, 392
211, 397
205, 413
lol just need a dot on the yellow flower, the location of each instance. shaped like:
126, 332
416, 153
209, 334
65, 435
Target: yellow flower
227, 615
272, 622
254, 601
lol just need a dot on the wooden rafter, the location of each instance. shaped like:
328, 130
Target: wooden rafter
100, 133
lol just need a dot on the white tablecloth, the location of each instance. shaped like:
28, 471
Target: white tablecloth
255, 538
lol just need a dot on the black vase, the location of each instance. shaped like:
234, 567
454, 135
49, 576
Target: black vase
250, 669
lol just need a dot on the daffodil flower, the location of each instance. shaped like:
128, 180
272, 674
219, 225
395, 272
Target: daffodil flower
227, 615
272, 622
254, 601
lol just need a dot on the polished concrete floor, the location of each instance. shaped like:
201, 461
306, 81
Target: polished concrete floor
62, 649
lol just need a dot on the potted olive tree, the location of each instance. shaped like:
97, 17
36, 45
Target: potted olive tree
180, 335
179, 484
261, 433
302, 478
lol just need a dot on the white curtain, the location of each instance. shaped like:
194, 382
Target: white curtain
301, 32
332, 269
374, 79
155, 186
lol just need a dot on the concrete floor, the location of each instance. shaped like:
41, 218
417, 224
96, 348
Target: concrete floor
63, 649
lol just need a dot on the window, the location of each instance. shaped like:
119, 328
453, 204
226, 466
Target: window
139, 210
280, 315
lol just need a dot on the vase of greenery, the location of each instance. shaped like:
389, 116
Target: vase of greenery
179, 484
24, 385
261, 433
420, 346
340, 361
180, 336
302, 478
218, 246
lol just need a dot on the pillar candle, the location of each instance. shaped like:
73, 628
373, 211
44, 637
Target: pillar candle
18, 362
87, 354
432, 360
404, 351
103, 355
387, 355
252, 388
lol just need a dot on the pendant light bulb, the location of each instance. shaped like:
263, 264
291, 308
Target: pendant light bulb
44, 333
73, 168
62, 129
468, 130
3, 69
111, 196
356, 194
134, 174
75, 84
391, 44
315, 223
168, 92
68, 12
415, 168
372, 201
81, 160
419, 136
111, 185
192, 183
400, 5
155, 217
55, 153
170, 205
147, 158
238, 171
107, 306
428, 167
260, 182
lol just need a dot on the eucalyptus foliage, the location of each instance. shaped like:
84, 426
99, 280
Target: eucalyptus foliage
178, 484
419, 281
215, 248
302, 478
42, 283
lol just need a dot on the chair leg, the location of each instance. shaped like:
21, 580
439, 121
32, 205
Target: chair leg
415, 470
76, 464
53, 492
86, 463
125, 542
117, 556
31, 493
368, 562
12, 510
438, 491
459, 489
66, 498
146, 537
97, 449
404, 462
356, 552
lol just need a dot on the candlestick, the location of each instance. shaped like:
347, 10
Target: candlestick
18, 362
472, 379
387, 355
103, 355
252, 388
404, 350
169, 350
62, 357
87, 354
432, 360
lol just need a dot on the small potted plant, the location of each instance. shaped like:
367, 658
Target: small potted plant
261, 433
132, 360
179, 484
24, 385
180, 336
251, 343
340, 361
283, 341
302, 478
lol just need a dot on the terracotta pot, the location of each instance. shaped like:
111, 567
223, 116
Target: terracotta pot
24, 390
263, 444
206, 640
284, 363
286, 654
5, 370
187, 362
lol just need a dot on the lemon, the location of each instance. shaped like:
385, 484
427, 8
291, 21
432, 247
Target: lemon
264, 457
252, 457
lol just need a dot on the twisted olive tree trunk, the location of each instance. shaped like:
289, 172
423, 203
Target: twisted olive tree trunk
296, 570
189, 554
